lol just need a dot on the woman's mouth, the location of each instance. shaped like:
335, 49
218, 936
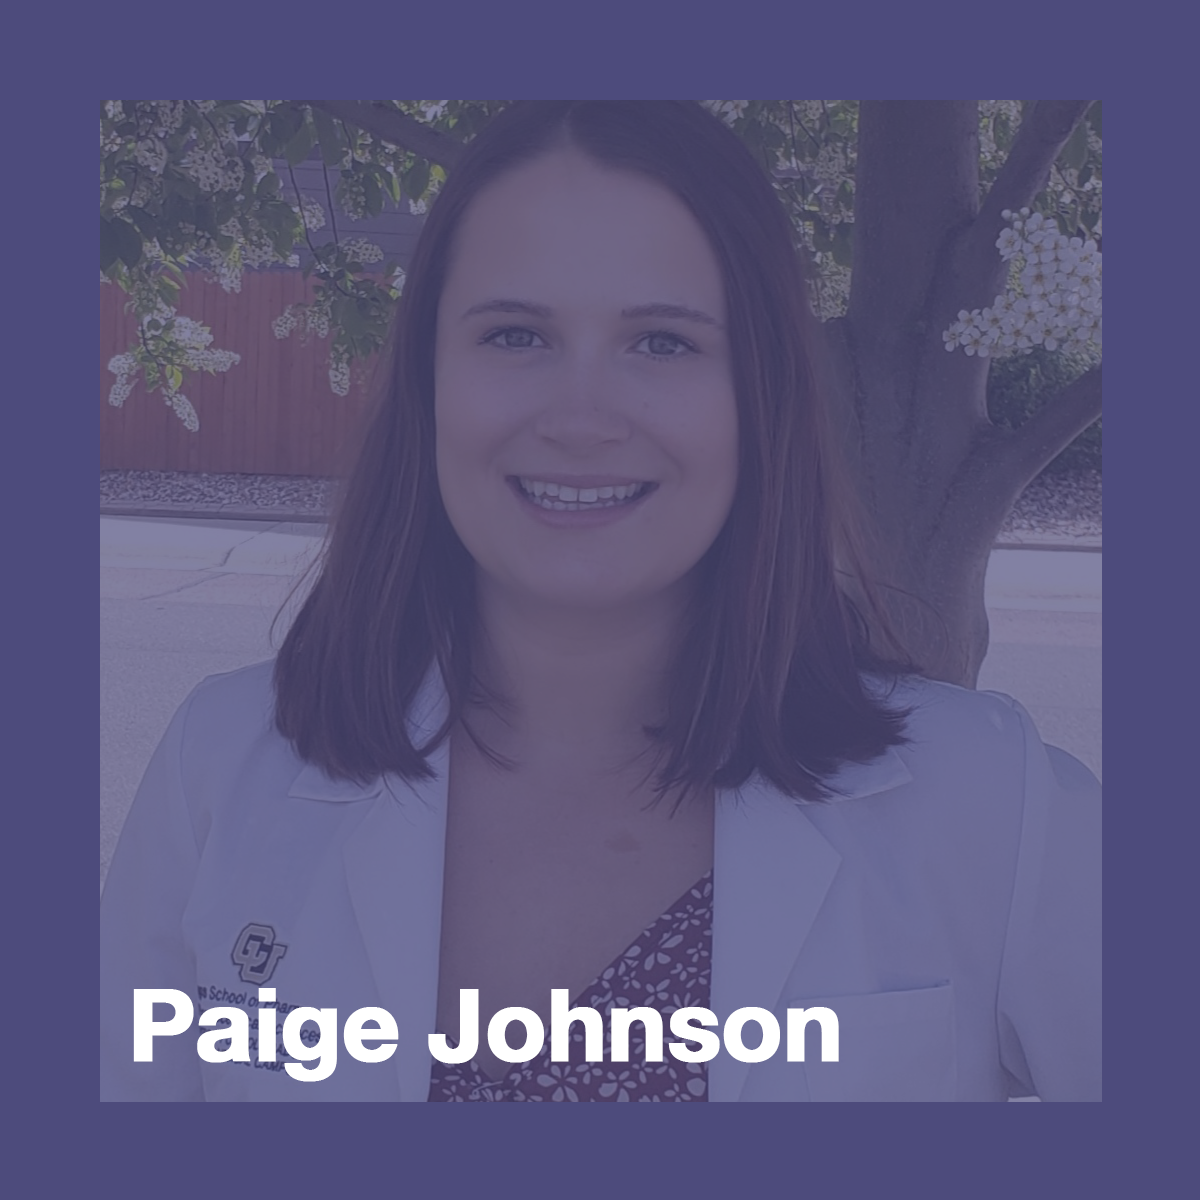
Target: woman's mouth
560, 497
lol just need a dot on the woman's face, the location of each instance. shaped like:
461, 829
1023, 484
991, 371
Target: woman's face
586, 423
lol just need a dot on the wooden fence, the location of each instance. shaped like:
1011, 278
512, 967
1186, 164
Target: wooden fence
273, 413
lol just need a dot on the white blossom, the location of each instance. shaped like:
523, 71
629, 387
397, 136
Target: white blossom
339, 373
176, 341
310, 212
309, 318
110, 140
1053, 298
211, 360
352, 197
213, 169
362, 250
262, 167
229, 273
285, 322
728, 110
124, 367
119, 392
151, 154
829, 168
168, 116
189, 334
183, 410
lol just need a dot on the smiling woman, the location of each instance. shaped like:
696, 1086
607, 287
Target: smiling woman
592, 698
597, 393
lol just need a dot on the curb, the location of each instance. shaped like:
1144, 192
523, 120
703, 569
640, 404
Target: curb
1082, 547
231, 512
235, 512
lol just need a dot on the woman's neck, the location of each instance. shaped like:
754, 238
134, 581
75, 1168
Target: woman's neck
582, 684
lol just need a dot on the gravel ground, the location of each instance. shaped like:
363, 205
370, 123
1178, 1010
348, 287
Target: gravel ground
1063, 507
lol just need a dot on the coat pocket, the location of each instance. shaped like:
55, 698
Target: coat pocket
892, 1046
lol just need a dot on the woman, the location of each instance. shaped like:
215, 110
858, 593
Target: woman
578, 703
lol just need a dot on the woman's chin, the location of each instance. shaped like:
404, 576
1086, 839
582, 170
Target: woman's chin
592, 592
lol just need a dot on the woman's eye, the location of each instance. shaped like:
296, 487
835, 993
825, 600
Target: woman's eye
661, 345
499, 337
670, 341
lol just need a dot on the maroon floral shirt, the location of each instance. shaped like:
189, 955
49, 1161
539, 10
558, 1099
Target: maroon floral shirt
668, 967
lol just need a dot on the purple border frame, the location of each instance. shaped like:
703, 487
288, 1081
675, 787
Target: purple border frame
724, 1150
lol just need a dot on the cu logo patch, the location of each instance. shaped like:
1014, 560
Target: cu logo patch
256, 953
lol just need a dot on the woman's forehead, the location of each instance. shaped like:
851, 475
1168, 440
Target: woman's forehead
566, 223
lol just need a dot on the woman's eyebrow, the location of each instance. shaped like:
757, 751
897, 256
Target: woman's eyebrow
638, 311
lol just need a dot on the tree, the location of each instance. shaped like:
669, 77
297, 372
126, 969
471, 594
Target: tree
932, 226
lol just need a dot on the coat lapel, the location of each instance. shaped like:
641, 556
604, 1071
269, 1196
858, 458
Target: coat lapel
771, 871
393, 863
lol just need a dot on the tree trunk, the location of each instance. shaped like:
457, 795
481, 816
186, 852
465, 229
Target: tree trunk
936, 477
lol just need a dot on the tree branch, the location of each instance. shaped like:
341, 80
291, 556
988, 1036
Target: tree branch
1031, 446
1043, 133
917, 180
974, 272
396, 128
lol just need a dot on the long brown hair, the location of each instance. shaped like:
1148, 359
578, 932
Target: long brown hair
769, 675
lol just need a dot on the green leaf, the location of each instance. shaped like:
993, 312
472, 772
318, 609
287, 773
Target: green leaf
206, 218
108, 245
283, 123
1074, 153
300, 144
416, 179
372, 195
119, 239
144, 221
328, 137
177, 211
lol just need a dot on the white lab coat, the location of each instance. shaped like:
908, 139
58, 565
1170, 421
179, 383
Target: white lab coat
946, 907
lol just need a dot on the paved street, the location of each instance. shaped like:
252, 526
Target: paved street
181, 600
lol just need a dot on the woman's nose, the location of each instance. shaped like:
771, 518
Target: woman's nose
582, 408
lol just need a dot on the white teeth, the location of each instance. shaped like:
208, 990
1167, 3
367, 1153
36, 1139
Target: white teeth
562, 497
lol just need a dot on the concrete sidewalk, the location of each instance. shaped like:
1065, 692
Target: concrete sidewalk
202, 551
180, 600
